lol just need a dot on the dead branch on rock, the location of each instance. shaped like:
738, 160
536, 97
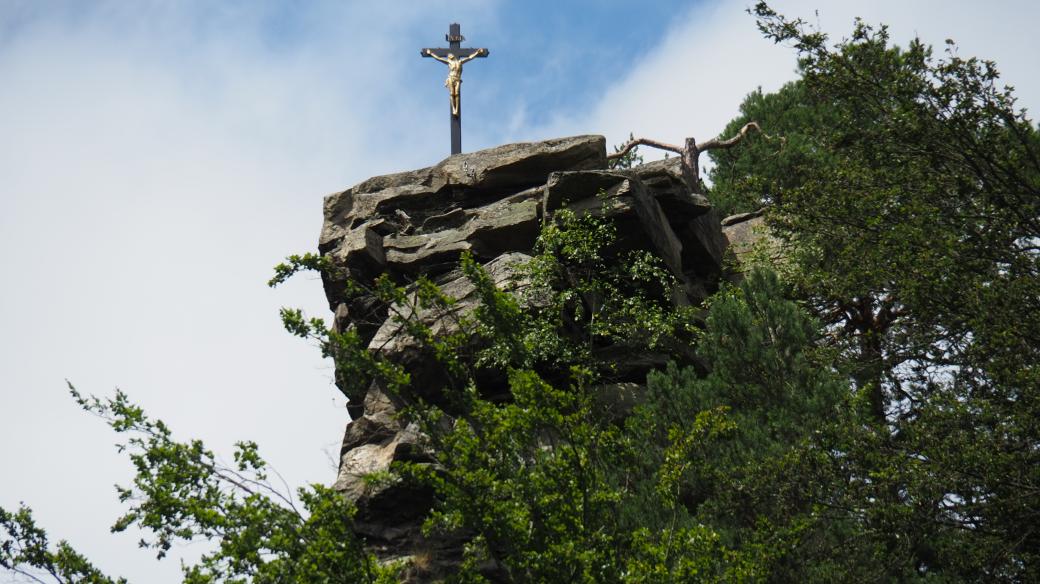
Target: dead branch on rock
644, 142
715, 143
690, 151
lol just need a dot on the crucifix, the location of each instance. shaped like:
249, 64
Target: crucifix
454, 57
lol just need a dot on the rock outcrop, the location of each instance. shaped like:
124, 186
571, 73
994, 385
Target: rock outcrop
492, 204
748, 240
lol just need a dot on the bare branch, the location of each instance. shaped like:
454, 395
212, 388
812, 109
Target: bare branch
690, 151
33, 577
644, 142
712, 144
715, 143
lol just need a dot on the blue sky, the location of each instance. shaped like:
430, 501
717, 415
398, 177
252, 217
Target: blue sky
158, 157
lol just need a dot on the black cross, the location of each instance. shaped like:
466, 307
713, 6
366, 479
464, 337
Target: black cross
455, 38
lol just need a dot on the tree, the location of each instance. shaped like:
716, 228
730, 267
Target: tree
181, 493
761, 486
712, 476
916, 242
748, 178
933, 192
546, 484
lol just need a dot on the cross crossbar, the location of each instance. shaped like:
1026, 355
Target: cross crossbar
458, 52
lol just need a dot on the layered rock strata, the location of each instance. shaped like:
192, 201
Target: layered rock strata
491, 204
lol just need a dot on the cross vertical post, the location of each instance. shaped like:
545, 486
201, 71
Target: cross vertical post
454, 57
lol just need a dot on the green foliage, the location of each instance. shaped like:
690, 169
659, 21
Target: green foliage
748, 178
552, 489
916, 243
587, 295
546, 485
929, 210
755, 486
182, 493
25, 550
296, 263
629, 159
543, 486
525, 477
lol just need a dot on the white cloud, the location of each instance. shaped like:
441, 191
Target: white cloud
157, 159
693, 83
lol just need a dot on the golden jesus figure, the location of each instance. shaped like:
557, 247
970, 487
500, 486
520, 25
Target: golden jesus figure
454, 80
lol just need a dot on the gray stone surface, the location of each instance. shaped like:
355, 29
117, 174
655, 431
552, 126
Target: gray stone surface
491, 204
656, 225
370, 445
664, 179
524, 164
566, 187
741, 217
362, 245
390, 339
705, 245
745, 234
486, 202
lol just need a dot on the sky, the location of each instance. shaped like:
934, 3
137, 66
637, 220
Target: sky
158, 157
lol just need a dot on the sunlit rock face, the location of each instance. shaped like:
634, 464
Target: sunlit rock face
492, 204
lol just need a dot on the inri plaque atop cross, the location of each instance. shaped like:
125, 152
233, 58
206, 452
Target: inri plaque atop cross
454, 57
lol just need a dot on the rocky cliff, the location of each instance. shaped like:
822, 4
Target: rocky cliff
492, 204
